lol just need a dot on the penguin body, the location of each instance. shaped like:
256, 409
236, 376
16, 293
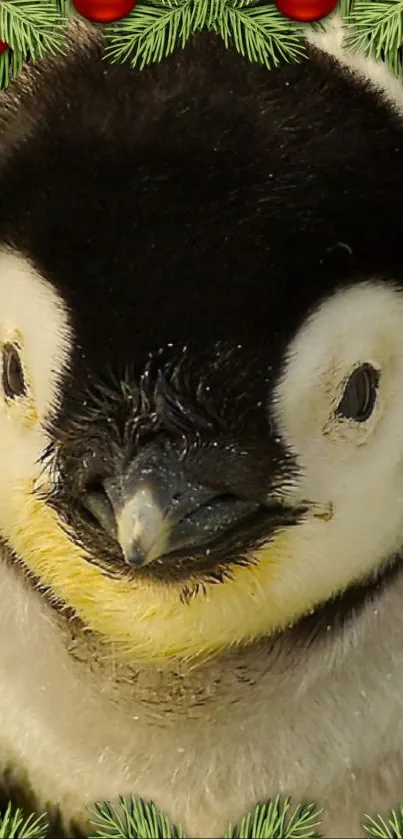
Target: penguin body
201, 506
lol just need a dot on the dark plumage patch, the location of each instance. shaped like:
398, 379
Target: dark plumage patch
200, 199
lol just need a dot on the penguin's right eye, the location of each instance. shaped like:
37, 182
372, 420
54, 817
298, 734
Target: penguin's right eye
360, 394
13, 379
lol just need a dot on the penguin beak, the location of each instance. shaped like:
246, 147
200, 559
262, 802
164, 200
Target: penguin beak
153, 510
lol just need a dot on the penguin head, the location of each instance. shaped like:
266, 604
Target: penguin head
201, 420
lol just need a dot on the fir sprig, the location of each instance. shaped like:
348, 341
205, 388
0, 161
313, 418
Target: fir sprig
152, 33
14, 826
156, 27
375, 27
134, 819
259, 33
274, 821
390, 827
137, 819
31, 28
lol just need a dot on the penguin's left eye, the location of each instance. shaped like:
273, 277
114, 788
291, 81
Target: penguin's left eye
13, 379
360, 394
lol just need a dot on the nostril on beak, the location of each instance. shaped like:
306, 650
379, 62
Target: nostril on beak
96, 502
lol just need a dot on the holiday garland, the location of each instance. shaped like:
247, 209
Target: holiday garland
29, 29
137, 819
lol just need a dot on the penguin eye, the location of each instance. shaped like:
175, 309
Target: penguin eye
360, 392
13, 375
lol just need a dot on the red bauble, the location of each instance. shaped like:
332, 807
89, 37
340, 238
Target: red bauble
104, 11
3, 47
306, 11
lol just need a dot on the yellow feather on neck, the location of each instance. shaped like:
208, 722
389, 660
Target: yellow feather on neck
148, 621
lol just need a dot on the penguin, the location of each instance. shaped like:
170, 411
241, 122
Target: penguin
201, 435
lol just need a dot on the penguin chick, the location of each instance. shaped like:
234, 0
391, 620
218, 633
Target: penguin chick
201, 437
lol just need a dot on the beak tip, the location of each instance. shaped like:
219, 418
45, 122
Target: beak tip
142, 530
136, 560
136, 557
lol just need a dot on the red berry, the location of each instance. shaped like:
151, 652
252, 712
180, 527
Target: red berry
104, 11
306, 10
3, 46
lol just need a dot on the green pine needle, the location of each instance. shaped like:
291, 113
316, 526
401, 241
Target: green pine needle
11, 64
259, 32
389, 828
375, 27
156, 27
31, 28
66, 8
151, 32
274, 821
14, 826
135, 819
345, 7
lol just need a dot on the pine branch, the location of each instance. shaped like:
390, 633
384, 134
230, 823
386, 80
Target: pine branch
345, 6
11, 64
31, 28
156, 27
138, 819
375, 27
259, 32
151, 32
66, 8
378, 827
13, 825
135, 819
273, 821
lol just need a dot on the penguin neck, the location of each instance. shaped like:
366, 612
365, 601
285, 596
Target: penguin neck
192, 687
197, 684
